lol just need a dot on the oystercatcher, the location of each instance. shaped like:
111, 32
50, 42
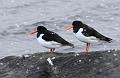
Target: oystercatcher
49, 39
87, 34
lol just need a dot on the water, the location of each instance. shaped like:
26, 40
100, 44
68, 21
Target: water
18, 18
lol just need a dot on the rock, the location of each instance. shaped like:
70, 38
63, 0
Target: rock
101, 64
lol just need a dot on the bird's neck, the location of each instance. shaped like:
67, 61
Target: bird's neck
76, 29
38, 34
42, 32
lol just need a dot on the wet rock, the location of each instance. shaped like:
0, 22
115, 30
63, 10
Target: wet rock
101, 64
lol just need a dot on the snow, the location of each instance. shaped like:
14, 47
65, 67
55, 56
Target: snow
109, 51
1, 64
80, 61
26, 56
38, 68
41, 58
53, 58
18, 63
50, 61
89, 60
27, 71
115, 54
76, 54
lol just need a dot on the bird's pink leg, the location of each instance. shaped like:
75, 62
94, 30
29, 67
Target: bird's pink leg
53, 49
87, 47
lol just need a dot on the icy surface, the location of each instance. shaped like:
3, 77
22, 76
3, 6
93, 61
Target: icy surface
19, 17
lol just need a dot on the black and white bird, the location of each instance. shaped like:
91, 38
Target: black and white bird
87, 34
49, 39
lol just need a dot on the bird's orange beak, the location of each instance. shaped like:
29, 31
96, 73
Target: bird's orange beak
71, 26
34, 31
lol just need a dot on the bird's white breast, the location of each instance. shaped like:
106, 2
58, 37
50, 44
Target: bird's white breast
47, 44
85, 39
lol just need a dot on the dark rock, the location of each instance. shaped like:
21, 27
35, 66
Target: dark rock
102, 64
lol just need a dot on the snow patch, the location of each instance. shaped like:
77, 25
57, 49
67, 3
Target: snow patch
26, 56
27, 71
76, 54
1, 64
80, 61
38, 68
50, 61
53, 58
109, 51
40, 58
18, 63
115, 54
89, 60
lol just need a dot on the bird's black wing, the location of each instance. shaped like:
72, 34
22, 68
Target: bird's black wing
51, 36
89, 31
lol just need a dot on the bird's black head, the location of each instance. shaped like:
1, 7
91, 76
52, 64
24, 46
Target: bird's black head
41, 29
77, 25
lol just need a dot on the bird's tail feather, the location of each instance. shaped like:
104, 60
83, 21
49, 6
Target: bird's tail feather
71, 45
108, 39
